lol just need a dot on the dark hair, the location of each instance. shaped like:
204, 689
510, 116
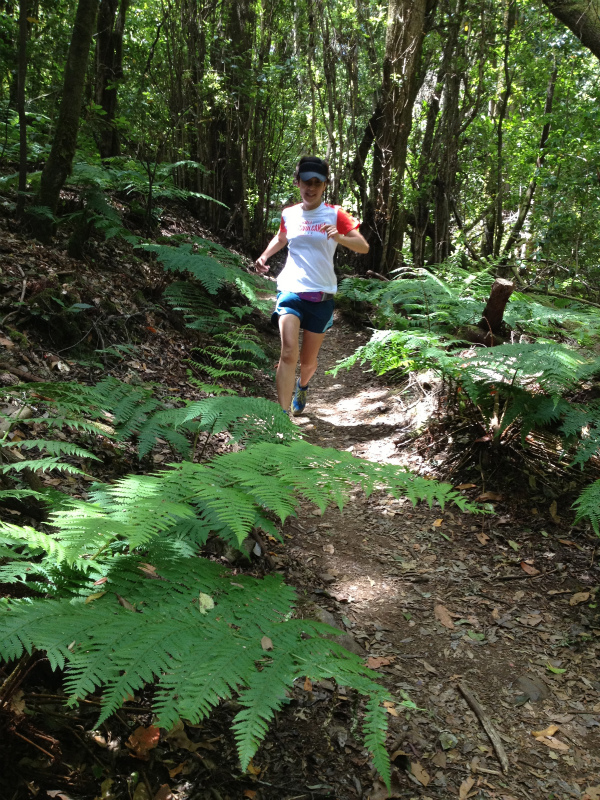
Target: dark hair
313, 163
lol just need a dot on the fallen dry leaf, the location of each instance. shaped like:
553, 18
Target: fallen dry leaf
466, 486
492, 497
164, 793
148, 570
592, 793
250, 793
179, 740
91, 597
374, 662
307, 684
529, 569
553, 512
125, 603
252, 769
429, 668
17, 703
420, 774
465, 788
437, 523
177, 769
550, 731
142, 740
530, 619
552, 742
579, 597
482, 537
329, 548
266, 643
443, 615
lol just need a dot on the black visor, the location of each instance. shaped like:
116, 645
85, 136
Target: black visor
313, 168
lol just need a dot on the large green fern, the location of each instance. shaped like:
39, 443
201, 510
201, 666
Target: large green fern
129, 602
120, 411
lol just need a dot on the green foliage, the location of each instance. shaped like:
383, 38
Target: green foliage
587, 505
211, 265
121, 411
200, 312
234, 354
125, 586
529, 385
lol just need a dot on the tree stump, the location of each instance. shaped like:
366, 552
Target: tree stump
493, 313
490, 330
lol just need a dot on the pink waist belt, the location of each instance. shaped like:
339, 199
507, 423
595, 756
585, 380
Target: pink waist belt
315, 297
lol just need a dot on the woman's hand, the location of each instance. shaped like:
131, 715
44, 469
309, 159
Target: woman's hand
332, 232
353, 240
261, 266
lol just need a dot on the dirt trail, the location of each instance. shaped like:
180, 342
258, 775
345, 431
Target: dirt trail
443, 598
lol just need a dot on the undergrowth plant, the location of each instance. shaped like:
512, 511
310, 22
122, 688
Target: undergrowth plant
122, 412
513, 388
128, 601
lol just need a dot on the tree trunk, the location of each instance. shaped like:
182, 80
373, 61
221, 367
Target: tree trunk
60, 160
403, 48
582, 17
109, 70
22, 77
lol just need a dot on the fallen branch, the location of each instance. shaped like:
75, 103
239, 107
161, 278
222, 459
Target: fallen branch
372, 274
558, 294
20, 373
486, 724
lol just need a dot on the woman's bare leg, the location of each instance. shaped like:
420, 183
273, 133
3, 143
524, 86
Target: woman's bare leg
289, 330
311, 344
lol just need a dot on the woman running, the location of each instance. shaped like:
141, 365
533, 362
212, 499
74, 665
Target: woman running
307, 284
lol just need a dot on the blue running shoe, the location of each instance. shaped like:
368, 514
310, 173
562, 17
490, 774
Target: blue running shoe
299, 398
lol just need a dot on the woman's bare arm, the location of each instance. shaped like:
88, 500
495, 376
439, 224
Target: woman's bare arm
276, 244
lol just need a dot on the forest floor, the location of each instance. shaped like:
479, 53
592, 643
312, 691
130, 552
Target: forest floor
440, 599
442, 603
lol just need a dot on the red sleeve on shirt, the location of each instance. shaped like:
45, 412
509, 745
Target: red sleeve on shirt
282, 228
345, 223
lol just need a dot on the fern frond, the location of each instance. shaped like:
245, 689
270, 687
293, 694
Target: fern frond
375, 727
56, 448
205, 269
42, 465
587, 506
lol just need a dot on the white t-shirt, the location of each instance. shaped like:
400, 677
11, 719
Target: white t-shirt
309, 265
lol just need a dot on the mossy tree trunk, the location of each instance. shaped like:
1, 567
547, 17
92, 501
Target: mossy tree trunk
582, 17
60, 160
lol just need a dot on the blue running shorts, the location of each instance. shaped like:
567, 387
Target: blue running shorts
314, 317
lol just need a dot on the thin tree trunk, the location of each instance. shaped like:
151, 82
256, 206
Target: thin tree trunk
404, 45
21, 80
424, 174
509, 22
109, 70
59, 162
527, 200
